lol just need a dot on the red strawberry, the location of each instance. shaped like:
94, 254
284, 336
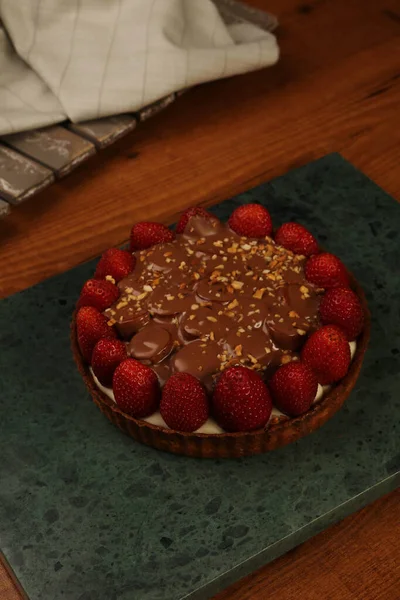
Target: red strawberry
327, 353
326, 271
293, 387
184, 405
341, 307
296, 238
115, 263
106, 356
195, 211
91, 326
98, 293
147, 234
251, 220
136, 388
241, 400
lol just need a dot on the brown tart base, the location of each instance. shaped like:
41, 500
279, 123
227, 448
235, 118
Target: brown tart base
232, 445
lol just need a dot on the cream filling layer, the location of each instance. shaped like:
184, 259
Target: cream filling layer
210, 426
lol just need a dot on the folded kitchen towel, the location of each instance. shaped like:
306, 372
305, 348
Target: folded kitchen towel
85, 59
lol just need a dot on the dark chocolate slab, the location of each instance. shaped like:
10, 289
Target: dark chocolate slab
55, 147
103, 132
20, 177
86, 513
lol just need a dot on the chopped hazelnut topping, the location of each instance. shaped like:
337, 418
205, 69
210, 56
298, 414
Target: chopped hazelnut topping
233, 304
215, 274
259, 293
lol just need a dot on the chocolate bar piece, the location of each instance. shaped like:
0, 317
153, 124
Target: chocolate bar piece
156, 107
21, 177
236, 12
103, 132
4, 208
55, 147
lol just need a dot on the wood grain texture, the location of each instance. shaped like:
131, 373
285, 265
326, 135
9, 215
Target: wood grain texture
336, 88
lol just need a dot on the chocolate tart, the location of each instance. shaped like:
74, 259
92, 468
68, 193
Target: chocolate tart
277, 433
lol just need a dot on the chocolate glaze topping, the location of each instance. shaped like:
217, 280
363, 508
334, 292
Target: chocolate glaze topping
212, 299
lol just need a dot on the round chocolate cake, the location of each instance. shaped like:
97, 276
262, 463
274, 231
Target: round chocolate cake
220, 339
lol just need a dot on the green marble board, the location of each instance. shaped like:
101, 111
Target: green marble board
88, 514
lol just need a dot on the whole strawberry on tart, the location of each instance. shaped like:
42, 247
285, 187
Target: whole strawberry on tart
220, 339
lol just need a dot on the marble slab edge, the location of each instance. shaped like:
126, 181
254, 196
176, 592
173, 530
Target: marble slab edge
291, 541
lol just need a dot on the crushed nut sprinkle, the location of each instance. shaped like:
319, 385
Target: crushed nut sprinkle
233, 304
259, 293
221, 266
286, 358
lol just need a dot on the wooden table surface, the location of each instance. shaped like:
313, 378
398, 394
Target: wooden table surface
335, 89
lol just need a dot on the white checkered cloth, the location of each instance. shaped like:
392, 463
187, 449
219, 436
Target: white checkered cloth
85, 59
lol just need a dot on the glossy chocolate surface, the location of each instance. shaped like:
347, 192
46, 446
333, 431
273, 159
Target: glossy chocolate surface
212, 299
